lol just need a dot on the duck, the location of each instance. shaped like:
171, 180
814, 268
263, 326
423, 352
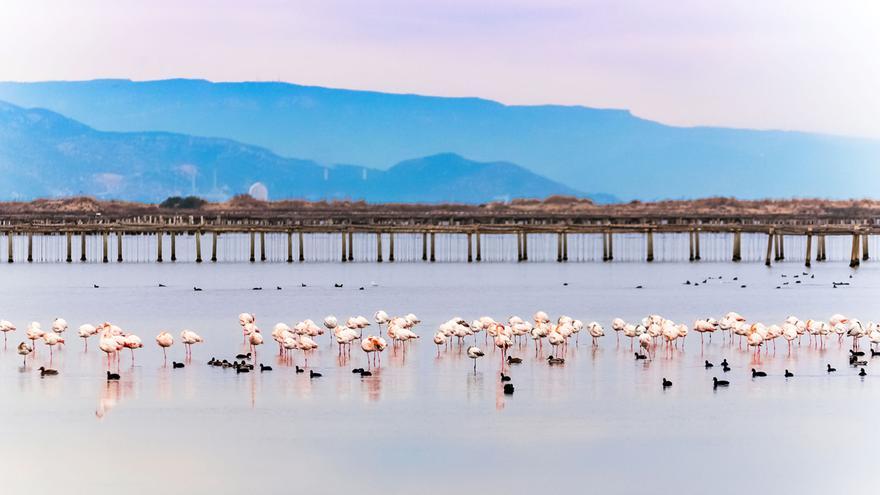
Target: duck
263, 368
725, 368
505, 378
666, 383
640, 356
555, 360
508, 389
856, 353
788, 374
300, 370
357, 370
724, 362
719, 383
47, 371
516, 360
175, 364
756, 373
112, 376
708, 365
242, 369
366, 373
862, 372
314, 374
243, 356
830, 369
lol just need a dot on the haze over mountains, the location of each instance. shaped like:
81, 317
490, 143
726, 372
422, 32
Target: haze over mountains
44, 154
588, 150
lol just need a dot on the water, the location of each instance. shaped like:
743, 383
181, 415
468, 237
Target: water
427, 423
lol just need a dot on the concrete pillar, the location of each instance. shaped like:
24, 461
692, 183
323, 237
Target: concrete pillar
519, 256
82, 242
854, 254
525, 246
559, 247
865, 256
691, 246
344, 256
479, 251
822, 246
390, 247
159, 246
290, 246
262, 246
253, 257
604, 246
565, 246
737, 246
809, 248
105, 258
198, 246
697, 245
610, 246
119, 247
776, 247
350, 246
433, 245
214, 235
650, 236
9, 246
770, 237
302, 253
173, 245
69, 247
781, 247
470, 257
30, 247
378, 247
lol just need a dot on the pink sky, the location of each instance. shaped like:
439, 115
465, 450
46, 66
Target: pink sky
786, 64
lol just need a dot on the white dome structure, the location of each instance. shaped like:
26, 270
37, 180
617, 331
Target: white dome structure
259, 191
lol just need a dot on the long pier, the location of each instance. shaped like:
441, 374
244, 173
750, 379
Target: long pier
84, 231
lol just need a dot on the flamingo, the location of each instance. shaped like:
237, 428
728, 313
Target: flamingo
59, 325
132, 342
330, 322
618, 325
245, 319
52, 339
188, 337
475, 353
596, 331
23, 350
108, 344
165, 340
85, 331
34, 332
439, 339
6, 327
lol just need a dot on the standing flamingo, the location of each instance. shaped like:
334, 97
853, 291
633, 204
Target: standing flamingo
24, 350
165, 340
34, 332
188, 337
132, 342
6, 327
52, 339
475, 353
255, 339
86, 331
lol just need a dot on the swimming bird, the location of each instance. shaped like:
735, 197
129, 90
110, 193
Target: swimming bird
514, 360
175, 364
299, 370
314, 374
23, 350
505, 378
725, 368
708, 365
724, 362
719, 383
197, 289
756, 373
366, 373
112, 376
555, 360
47, 371
508, 389
788, 374
640, 356
831, 370
243, 356
666, 383
263, 368
862, 372
475, 353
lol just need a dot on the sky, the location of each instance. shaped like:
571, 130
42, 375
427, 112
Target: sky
808, 65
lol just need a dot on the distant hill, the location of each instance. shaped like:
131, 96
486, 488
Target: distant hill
584, 148
44, 154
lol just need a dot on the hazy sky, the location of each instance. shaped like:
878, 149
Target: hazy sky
789, 64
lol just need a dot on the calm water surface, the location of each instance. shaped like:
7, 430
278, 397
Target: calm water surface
427, 423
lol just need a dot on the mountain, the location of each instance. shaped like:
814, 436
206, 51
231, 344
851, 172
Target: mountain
584, 148
44, 154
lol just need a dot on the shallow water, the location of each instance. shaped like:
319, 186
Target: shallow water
424, 422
